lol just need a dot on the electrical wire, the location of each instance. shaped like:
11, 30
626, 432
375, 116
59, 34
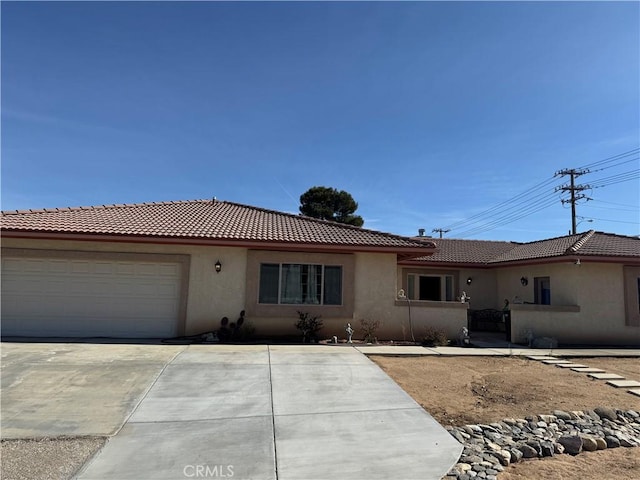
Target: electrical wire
540, 197
604, 161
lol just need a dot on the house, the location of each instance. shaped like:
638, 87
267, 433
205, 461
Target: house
579, 289
159, 270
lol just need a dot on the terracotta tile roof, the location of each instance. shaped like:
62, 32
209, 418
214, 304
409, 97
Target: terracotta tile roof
591, 243
481, 252
451, 250
201, 219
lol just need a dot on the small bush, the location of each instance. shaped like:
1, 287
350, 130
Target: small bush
434, 337
309, 326
369, 328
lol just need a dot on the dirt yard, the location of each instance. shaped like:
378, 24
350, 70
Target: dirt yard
467, 390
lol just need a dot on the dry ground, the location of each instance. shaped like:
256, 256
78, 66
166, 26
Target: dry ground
466, 390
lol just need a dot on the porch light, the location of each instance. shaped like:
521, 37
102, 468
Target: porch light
218, 266
524, 281
469, 280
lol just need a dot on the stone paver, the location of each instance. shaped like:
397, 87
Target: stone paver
588, 370
606, 376
555, 362
635, 391
623, 383
570, 365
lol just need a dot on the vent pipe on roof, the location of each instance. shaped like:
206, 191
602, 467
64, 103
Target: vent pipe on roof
421, 232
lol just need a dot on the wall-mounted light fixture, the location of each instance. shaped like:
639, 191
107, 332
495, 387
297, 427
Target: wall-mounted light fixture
524, 281
218, 266
469, 280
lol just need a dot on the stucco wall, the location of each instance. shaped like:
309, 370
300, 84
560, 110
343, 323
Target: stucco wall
597, 289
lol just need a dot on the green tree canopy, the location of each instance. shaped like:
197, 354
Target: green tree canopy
330, 204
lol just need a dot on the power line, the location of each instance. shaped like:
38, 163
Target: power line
513, 203
540, 196
614, 221
609, 159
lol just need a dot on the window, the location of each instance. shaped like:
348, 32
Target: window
542, 290
438, 288
300, 284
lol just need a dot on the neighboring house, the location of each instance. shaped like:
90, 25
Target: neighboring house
580, 289
150, 271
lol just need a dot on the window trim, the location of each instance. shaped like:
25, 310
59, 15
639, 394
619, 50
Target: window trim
322, 284
256, 309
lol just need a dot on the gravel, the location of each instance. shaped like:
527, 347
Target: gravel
46, 458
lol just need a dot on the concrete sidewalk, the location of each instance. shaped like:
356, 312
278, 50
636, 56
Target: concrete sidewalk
276, 412
489, 351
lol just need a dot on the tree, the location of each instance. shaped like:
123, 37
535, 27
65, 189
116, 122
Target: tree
330, 204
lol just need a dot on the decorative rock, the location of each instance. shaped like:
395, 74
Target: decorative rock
516, 455
606, 412
489, 448
572, 444
528, 452
504, 456
612, 442
589, 443
627, 442
546, 449
562, 415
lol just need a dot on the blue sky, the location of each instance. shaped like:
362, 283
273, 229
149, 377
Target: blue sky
428, 113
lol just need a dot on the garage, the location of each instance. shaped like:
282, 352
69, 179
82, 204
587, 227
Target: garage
85, 294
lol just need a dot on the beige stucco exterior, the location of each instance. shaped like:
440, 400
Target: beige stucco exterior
591, 303
369, 287
587, 303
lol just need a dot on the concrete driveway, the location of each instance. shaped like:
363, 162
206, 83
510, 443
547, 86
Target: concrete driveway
246, 412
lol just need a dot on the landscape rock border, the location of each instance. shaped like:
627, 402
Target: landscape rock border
488, 449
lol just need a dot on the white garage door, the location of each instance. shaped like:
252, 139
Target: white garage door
60, 297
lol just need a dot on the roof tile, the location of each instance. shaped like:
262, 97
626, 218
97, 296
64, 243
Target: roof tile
205, 219
482, 252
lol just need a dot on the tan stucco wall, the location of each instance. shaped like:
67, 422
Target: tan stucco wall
596, 288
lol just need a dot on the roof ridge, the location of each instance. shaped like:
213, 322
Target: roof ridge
97, 207
320, 220
580, 242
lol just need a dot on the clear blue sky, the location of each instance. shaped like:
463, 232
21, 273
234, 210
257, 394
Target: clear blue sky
427, 113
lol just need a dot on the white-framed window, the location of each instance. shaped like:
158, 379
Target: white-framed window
437, 288
300, 284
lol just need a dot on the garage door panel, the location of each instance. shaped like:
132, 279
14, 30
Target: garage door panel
70, 297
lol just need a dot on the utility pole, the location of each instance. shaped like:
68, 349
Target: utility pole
440, 231
573, 188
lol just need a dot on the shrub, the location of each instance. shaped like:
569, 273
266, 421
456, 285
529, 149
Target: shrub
434, 337
369, 328
309, 326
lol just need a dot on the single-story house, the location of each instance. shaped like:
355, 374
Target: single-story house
159, 270
579, 289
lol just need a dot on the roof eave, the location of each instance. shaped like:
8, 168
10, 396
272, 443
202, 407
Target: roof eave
402, 252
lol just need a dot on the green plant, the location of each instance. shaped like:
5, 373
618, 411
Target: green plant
369, 328
434, 337
309, 325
